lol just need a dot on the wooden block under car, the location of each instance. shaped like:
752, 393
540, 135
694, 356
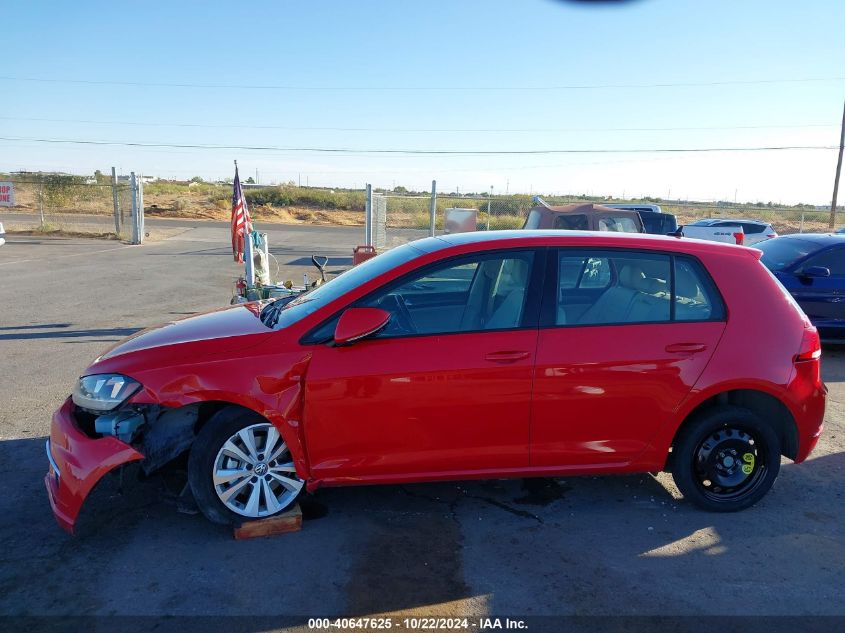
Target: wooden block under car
290, 521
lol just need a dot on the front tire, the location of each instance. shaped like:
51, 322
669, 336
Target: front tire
726, 459
240, 469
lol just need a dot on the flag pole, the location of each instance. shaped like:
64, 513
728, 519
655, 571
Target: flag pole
249, 264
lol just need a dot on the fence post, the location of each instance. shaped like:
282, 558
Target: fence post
133, 187
488, 207
141, 209
433, 208
368, 217
41, 202
115, 202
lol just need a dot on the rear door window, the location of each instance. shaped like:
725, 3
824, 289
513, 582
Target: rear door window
619, 287
695, 297
753, 227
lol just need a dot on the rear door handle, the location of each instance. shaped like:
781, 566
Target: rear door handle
685, 348
506, 357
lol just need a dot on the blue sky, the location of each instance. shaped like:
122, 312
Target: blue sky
435, 75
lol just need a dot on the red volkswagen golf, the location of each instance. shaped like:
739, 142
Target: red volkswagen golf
501, 354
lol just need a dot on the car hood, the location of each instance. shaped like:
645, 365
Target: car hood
226, 327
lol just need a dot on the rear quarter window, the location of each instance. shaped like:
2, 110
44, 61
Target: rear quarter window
696, 296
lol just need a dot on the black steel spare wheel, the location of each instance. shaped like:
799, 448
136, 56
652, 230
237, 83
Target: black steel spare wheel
726, 459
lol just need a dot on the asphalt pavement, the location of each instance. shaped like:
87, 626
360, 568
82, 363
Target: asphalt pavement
624, 545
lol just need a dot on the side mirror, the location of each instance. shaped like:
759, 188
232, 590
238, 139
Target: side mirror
358, 323
816, 271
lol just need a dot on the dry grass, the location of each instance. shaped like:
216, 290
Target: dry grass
58, 232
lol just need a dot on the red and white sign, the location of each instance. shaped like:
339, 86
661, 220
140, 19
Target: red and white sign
7, 194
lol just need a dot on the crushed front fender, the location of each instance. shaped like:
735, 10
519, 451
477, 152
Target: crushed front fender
77, 463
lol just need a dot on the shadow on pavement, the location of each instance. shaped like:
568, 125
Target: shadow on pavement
574, 546
119, 331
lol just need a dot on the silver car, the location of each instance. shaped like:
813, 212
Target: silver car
755, 231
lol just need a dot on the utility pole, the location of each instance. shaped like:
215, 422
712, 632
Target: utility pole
838, 173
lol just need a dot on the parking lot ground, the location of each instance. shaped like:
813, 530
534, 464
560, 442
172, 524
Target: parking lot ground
624, 545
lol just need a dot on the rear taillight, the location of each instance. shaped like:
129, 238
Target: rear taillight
739, 237
811, 347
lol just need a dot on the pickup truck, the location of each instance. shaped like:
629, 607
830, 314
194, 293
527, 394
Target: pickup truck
726, 234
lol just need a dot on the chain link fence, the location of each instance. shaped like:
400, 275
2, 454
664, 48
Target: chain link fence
46, 203
510, 211
53, 202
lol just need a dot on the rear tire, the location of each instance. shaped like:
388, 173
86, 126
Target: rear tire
240, 469
726, 459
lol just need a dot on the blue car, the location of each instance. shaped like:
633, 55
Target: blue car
811, 266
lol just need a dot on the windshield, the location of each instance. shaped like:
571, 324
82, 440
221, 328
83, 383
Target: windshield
313, 300
533, 221
779, 253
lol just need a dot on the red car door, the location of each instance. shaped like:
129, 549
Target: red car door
445, 390
618, 350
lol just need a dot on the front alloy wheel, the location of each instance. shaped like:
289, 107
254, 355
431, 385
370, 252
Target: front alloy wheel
241, 468
253, 472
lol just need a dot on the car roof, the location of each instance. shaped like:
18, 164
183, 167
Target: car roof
818, 238
710, 221
605, 239
586, 208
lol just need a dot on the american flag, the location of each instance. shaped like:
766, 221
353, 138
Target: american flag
241, 222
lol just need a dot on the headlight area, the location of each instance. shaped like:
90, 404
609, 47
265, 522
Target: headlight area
160, 433
103, 392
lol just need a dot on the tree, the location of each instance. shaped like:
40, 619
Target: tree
197, 179
400, 189
250, 181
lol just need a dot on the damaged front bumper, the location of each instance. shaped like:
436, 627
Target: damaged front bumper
77, 463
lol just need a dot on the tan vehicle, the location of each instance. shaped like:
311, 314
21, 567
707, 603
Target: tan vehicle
584, 217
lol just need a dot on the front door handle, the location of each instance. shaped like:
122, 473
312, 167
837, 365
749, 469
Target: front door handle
506, 357
685, 348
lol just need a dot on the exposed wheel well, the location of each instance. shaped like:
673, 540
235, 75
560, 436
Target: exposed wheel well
208, 409
769, 408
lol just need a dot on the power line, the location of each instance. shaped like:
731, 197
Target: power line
371, 129
608, 86
346, 150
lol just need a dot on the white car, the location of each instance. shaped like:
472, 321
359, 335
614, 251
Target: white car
755, 231
2, 234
